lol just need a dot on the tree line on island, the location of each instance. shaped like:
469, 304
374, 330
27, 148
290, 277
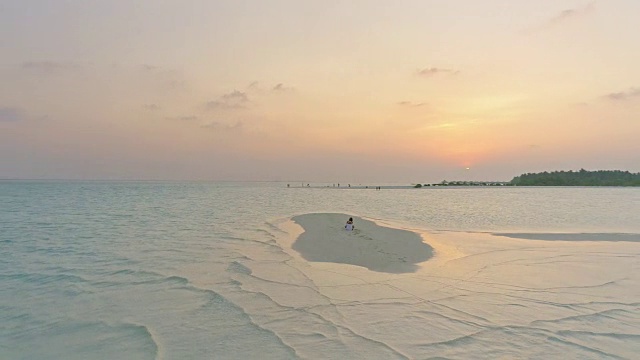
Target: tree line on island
578, 178
558, 178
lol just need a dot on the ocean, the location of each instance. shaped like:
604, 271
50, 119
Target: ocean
197, 270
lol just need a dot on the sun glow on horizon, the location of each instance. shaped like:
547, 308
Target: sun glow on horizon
224, 92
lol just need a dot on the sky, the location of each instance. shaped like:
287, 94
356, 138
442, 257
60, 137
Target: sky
317, 91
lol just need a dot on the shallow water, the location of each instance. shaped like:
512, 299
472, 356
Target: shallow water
144, 270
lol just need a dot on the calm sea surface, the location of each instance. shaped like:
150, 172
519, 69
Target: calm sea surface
140, 270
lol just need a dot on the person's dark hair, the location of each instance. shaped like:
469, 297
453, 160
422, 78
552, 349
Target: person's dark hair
350, 219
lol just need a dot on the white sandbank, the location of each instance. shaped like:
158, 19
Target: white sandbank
574, 236
465, 295
369, 245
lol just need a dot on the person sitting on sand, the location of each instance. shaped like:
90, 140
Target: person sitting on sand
349, 225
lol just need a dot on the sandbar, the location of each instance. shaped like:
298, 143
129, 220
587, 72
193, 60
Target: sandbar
369, 245
574, 236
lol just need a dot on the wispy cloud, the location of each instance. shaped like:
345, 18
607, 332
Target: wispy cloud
411, 104
151, 107
50, 67
562, 17
10, 114
571, 13
176, 84
433, 71
233, 100
148, 67
215, 125
261, 89
169, 79
182, 118
282, 88
235, 96
632, 93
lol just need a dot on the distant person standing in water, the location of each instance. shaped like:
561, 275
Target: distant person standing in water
349, 225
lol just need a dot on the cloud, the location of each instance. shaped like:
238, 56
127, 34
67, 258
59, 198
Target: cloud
215, 125
571, 13
233, 100
151, 107
261, 89
281, 88
148, 67
235, 96
182, 118
411, 104
561, 18
50, 67
9, 114
624, 95
433, 71
176, 84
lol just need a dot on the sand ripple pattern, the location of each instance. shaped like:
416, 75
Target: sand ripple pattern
494, 298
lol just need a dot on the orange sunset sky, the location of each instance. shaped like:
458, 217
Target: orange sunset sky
336, 91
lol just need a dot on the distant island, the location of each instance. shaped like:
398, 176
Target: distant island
578, 178
557, 178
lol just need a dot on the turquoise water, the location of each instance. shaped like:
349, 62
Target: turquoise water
144, 270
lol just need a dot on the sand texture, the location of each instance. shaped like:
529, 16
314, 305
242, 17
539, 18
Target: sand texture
382, 293
369, 245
